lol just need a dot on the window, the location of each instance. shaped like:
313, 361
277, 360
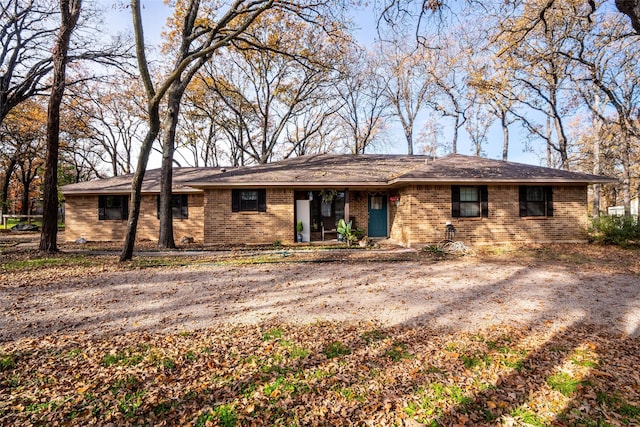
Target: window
536, 200
377, 202
249, 200
325, 208
113, 207
179, 206
469, 201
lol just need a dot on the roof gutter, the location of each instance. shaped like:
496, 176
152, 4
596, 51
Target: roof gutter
125, 192
603, 180
289, 184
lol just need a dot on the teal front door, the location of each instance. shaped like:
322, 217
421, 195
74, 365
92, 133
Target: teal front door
377, 216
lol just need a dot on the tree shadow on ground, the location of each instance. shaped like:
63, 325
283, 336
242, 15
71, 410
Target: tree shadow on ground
551, 369
324, 374
575, 372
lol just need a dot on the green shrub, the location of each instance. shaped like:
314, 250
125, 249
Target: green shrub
616, 230
336, 349
7, 362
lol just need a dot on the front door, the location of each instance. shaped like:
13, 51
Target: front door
377, 216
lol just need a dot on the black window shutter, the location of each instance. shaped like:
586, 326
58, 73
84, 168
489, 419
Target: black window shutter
184, 206
235, 200
523, 200
158, 206
484, 199
125, 207
455, 201
549, 199
262, 200
102, 201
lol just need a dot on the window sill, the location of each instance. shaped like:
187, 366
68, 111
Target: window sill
468, 218
535, 218
248, 212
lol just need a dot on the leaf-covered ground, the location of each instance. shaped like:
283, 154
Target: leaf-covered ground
323, 373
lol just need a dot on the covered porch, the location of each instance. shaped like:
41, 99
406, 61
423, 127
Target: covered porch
320, 211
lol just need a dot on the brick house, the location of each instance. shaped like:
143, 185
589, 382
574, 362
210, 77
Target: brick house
406, 198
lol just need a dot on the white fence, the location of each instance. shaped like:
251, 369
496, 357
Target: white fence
29, 217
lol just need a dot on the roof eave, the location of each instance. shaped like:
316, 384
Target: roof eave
287, 184
94, 192
501, 181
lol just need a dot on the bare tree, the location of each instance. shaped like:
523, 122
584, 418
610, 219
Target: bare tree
631, 8
477, 126
452, 100
22, 136
430, 138
69, 14
114, 119
280, 87
28, 166
199, 134
81, 156
608, 73
26, 31
409, 84
541, 75
8, 162
361, 90
490, 81
197, 37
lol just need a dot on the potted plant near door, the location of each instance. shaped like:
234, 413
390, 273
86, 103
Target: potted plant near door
299, 230
344, 229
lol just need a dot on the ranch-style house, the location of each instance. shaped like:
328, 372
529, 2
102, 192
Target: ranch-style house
406, 198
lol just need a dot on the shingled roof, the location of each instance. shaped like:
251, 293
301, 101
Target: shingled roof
318, 170
121, 184
340, 170
384, 170
460, 169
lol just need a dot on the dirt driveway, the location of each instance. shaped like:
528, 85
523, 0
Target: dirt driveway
459, 294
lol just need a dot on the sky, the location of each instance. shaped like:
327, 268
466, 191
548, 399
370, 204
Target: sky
155, 13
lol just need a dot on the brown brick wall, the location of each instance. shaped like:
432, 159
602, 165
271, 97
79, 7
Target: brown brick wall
419, 219
81, 220
358, 209
222, 226
424, 210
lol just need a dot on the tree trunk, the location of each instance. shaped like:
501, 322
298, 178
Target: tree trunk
597, 127
631, 8
408, 133
166, 240
4, 197
454, 143
477, 143
560, 134
549, 132
69, 11
153, 119
562, 143
136, 182
26, 185
626, 174
505, 135
596, 171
